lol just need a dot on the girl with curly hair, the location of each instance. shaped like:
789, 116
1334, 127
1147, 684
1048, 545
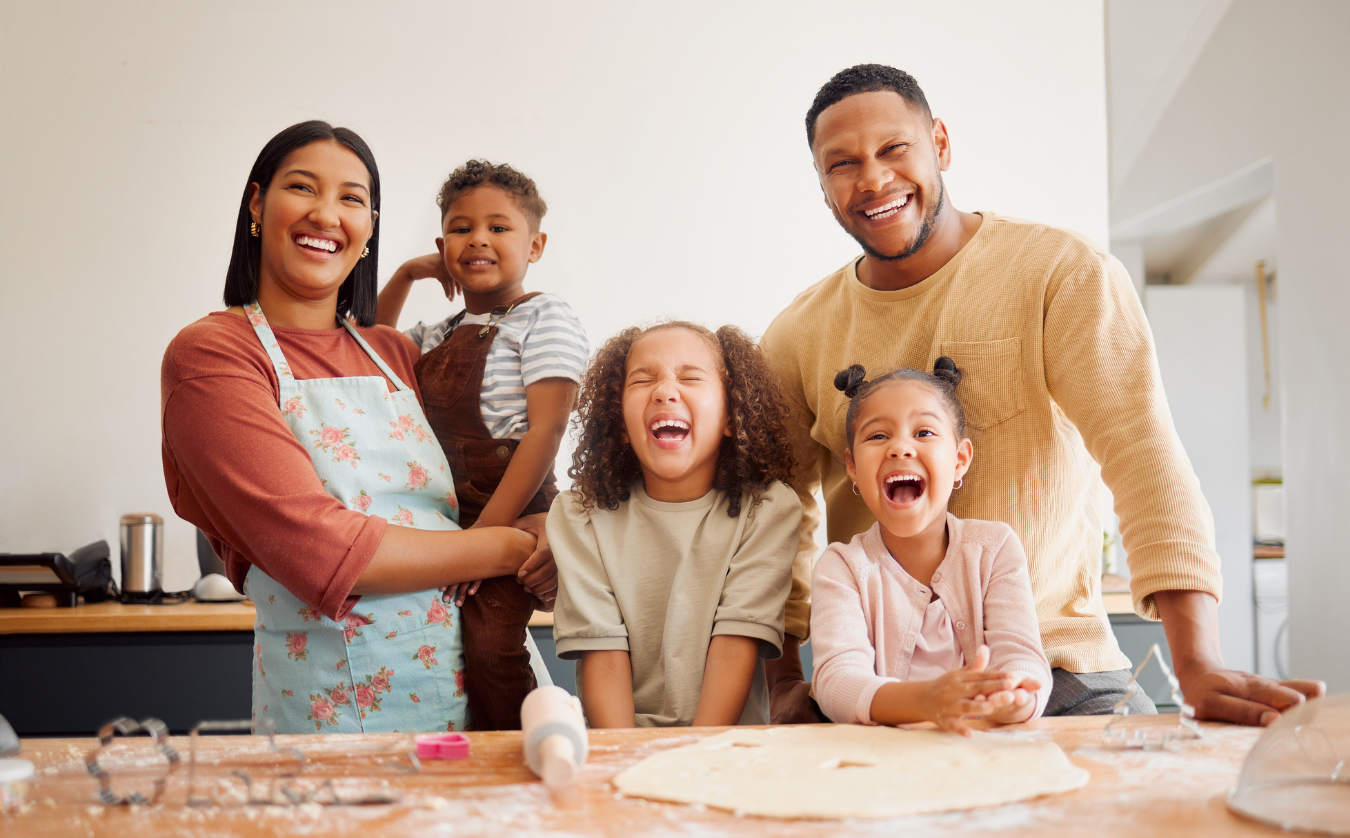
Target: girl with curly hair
675, 547
925, 616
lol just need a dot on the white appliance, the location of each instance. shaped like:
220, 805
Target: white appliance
1270, 584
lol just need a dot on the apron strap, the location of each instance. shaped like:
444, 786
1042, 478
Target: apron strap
269, 340
374, 356
283, 369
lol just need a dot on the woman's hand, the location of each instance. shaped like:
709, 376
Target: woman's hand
967, 692
539, 573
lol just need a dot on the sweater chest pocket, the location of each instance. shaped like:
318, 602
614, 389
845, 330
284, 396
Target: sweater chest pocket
993, 386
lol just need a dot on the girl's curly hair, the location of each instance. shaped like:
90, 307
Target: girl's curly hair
757, 453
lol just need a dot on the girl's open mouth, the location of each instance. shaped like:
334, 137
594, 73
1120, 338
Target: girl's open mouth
902, 488
669, 433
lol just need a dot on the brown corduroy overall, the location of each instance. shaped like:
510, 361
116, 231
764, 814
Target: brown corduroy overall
495, 620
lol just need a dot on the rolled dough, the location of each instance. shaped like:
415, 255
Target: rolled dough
851, 771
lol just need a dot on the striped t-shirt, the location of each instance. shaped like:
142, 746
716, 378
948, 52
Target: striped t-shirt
541, 338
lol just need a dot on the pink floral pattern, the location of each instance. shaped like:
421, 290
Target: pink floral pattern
293, 407
418, 476
306, 613
351, 627
386, 478
361, 503
427, 655
323, 706
407, 426
459, 682
438, 614
334, 440
449, 500
403, 517
391, 635
368, 694
414, 698
295, 645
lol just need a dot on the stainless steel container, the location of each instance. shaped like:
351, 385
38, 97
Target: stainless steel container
142, 553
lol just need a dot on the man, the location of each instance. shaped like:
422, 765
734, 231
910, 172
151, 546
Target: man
1059, 378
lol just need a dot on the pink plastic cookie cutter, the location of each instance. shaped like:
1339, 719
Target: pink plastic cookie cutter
442, 746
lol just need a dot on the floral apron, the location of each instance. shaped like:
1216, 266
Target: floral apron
396, 663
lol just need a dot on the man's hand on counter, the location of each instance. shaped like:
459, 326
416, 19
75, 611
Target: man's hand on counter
1190, 619
539, 574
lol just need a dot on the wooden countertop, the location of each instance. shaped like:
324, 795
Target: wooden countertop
114, 617
1161, 793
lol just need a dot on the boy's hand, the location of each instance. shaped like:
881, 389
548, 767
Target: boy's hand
431, 266
963, 693
457, 592
539, 573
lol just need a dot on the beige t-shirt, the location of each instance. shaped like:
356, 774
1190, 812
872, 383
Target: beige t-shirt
659, 580
1061, 390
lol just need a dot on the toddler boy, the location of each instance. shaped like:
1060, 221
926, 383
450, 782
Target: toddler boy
498, 381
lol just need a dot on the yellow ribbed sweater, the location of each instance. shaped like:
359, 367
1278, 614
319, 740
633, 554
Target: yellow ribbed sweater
1059, 376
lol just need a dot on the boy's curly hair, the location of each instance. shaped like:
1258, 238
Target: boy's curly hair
757, 453
476, 173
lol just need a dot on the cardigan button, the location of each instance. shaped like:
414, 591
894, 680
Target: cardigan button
960, 624
503, 452
937, 577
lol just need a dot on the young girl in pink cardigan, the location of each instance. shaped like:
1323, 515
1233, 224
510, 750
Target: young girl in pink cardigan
925, 616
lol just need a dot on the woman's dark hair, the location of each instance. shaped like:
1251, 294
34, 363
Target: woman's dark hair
356, 296
943, 379
757, 453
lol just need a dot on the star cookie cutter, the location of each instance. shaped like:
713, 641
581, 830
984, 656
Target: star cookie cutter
1150, 738
129, 727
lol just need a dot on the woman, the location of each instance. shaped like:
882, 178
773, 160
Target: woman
295, 441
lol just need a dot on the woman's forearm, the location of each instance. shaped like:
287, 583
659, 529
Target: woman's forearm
607, 688
415, 560
726, 680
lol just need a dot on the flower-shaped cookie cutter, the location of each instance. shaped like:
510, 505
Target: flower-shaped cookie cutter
124, 726
1151, 738
442, 746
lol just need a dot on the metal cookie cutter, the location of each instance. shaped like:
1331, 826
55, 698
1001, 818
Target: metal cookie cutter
289, 792
1151, 738
129, 727
442, 746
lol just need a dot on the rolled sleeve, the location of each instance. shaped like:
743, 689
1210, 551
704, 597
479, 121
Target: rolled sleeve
586, 615
760, 577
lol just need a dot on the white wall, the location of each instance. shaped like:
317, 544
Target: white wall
1267, 86
667, 139
1200, 332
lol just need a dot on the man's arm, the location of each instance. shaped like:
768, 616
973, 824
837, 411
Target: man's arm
1190, 619
1102, 370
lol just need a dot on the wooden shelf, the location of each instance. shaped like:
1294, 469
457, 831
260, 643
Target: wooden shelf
115, 618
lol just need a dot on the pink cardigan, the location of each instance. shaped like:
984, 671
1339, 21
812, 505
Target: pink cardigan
866, 613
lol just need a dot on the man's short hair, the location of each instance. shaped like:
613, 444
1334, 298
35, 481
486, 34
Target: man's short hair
476, 173
864, 78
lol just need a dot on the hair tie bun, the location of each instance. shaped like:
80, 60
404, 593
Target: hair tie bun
945, 369
851, 380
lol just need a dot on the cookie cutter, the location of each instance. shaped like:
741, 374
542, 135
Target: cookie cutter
442, 746
292, 790
1151, 738
130, 727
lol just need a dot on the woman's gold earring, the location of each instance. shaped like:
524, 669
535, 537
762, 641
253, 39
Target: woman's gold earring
959, 482
855, 489
253, 229
365, 251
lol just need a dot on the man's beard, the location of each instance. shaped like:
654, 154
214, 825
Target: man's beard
925, 230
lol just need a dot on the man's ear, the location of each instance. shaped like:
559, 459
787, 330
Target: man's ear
942, 145
537, 242
255, 203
